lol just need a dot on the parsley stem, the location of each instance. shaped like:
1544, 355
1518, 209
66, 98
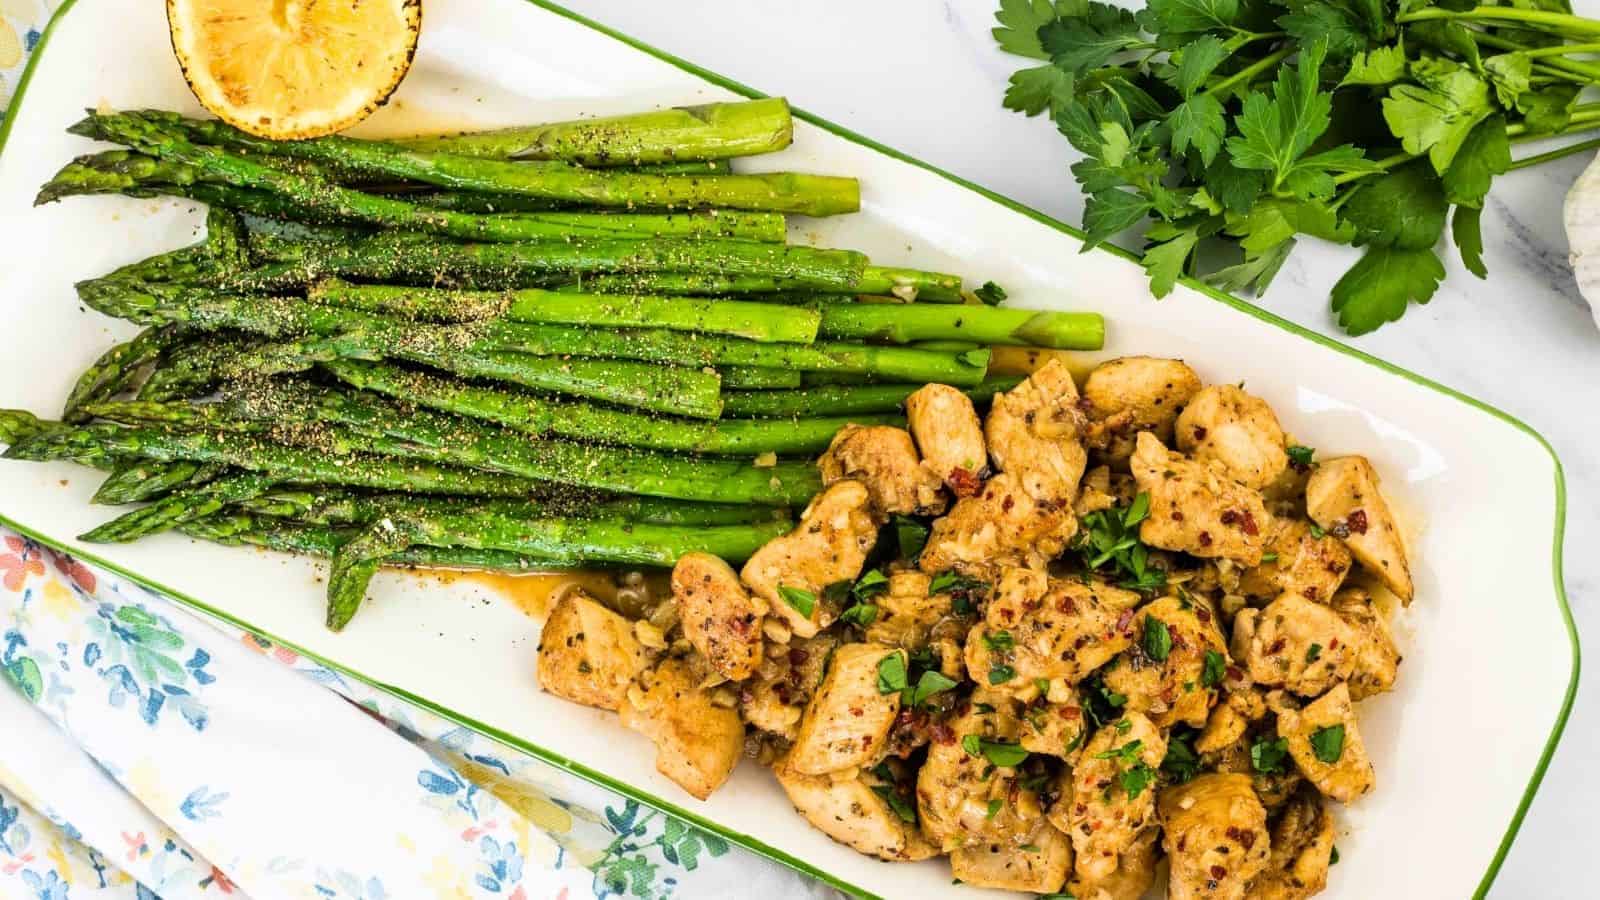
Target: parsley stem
1560, 50
1585, 117
1557, 153
1535, 18
1248, 72
1590, 72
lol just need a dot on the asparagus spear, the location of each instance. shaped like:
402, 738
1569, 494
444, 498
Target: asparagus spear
845, 400
167, 136
754, 321
532, 414
144, 479
747, 378
579, 540
334, 463
195, 368
981, 324
711, 131
298, 195
180, 507
335, 506
117, 368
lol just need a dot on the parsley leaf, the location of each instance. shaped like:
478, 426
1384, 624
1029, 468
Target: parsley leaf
1484, 154
1111, 212
896, 796
870, 585
1125, 754
1157, 640
1020, 21
1083, 42
995, 805
910, 535
1301, 455
1215, 668
1136, 779
1004, 754
1436, 116
1379, 286
1032, 91
1165, 262
1313, 652
862, 614
1197, 60
1255, 272
932, 682
1182, 16
1181, 763
1379, 66
803, 601
1404, 208
1197, 122
990, 293
1509, 73
1110, 538
1327, 744
999, 641
892, 674
1268, 756
1467, 233
1001, 674
1331, 24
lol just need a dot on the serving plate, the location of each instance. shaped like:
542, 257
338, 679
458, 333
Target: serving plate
1491, 652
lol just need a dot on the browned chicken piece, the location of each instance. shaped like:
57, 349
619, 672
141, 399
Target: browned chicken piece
1002, 525
1327, 747
1229, 720
1216, 837
775, 699
1296, 644
829, 545
1377, 659
1055, 729
1113, 793
846, 808
1273, 788
1038, 866
1034, 434
1302, 849
1135, 872
1297, 562
1133, 394
885, 460
1170, 690
1342, 496
1196, 508
697, 741
964, 798
1224, 424
719, 617
1036, 626
950, 437
907, 612
1094, 492
848, 719
587, 653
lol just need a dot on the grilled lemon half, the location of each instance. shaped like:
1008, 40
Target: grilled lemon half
286, 69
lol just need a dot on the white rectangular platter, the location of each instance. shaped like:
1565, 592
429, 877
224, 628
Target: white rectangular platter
1490, 652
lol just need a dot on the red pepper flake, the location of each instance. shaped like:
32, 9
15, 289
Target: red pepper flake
1067, 605
1071, 712
1123, 620
963, 482
857, 711
1199, 433
1007, 503
1277, 645
1202, 614
942, 733
1205, 538
1247, 839
1333, 643
1229, 516
797, 656
1177, 516
1250, 526
1235, 673
1219, 873
1358, 521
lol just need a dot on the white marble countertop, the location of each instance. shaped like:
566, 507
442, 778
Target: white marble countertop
925, 77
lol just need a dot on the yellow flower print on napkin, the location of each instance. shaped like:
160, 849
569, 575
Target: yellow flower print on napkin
519, 795
10, 45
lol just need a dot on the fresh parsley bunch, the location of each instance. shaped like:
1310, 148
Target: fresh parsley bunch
1234, 126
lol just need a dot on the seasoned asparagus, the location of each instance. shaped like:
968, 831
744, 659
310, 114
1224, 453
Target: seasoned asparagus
845, 400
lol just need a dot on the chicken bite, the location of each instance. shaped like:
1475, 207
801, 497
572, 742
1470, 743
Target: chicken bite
1377, 659
1240, 431
950, 436
1038, 866
719, 618
1054, 729
846, 808
1302, 850
848, 718
1342, 496
1229, 720
1039, 627
1327, 747
885, 460
1196, 508
588, 653
1131, 880
1133, 394
1297, 561
907, 611
1113, 793
1296, 644
776, 698
1216, 837
1002, 525
1163, 676
963, 796
1034, 434
829, 545
698, 741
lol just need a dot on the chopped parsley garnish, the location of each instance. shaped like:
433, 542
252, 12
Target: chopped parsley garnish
891, 794
891, 674
862, 614
998, 641
870, 585
1157, 641
1269, 557
1333, 858
1000, 753
1110, 537
1123, 726
1215, 669
1125, 754
1267, 757
1317, 531
1300, 456
1312, 652
951, 581
1136, 779
995, 806
911, 535
1001, 674
1042, 685
803, 601
932, 682
1100, 704
990, 293
1181, 763
1327, 744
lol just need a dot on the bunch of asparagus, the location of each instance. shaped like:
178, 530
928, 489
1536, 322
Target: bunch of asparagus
563, 345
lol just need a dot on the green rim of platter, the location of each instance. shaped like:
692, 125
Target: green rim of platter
745, 840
